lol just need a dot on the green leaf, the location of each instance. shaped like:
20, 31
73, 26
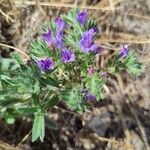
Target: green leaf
27, 110
38, 129
49, 81
129, 63
36, 88
74, 30
50, 102
9, 102
9, 115
95, 86
90, 24
51, 25
132, 65
38, 48
7, 79
7, 65
70, 18
10, 119
73, 98
17, 57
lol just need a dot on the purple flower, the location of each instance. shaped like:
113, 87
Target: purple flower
67, 56
91, 70
97, 50
86, 41
45, 64
124, 50
60, 24
48, 38
90, 97
82, 17
95, 29
58, 39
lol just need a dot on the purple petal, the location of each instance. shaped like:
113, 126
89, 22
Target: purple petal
58, 39
96, 49
60, 24
91, 32
82, 17
49, 64
93, 48
67, 56
45, 64
86, 42
47, 37
90, 97
95, 29
124, 50
41, 65
84, 49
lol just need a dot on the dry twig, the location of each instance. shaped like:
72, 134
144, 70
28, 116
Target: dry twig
18, 2
16, 49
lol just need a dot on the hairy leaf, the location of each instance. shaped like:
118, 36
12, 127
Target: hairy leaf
38, 129
73, 98
95, 86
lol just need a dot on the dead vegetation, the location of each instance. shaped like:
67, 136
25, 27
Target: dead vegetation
122, 121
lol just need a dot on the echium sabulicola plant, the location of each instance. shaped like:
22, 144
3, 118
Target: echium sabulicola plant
61, 68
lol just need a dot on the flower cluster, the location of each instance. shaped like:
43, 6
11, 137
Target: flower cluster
56, 40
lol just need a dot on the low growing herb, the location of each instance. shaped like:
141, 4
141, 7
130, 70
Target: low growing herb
61, 68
